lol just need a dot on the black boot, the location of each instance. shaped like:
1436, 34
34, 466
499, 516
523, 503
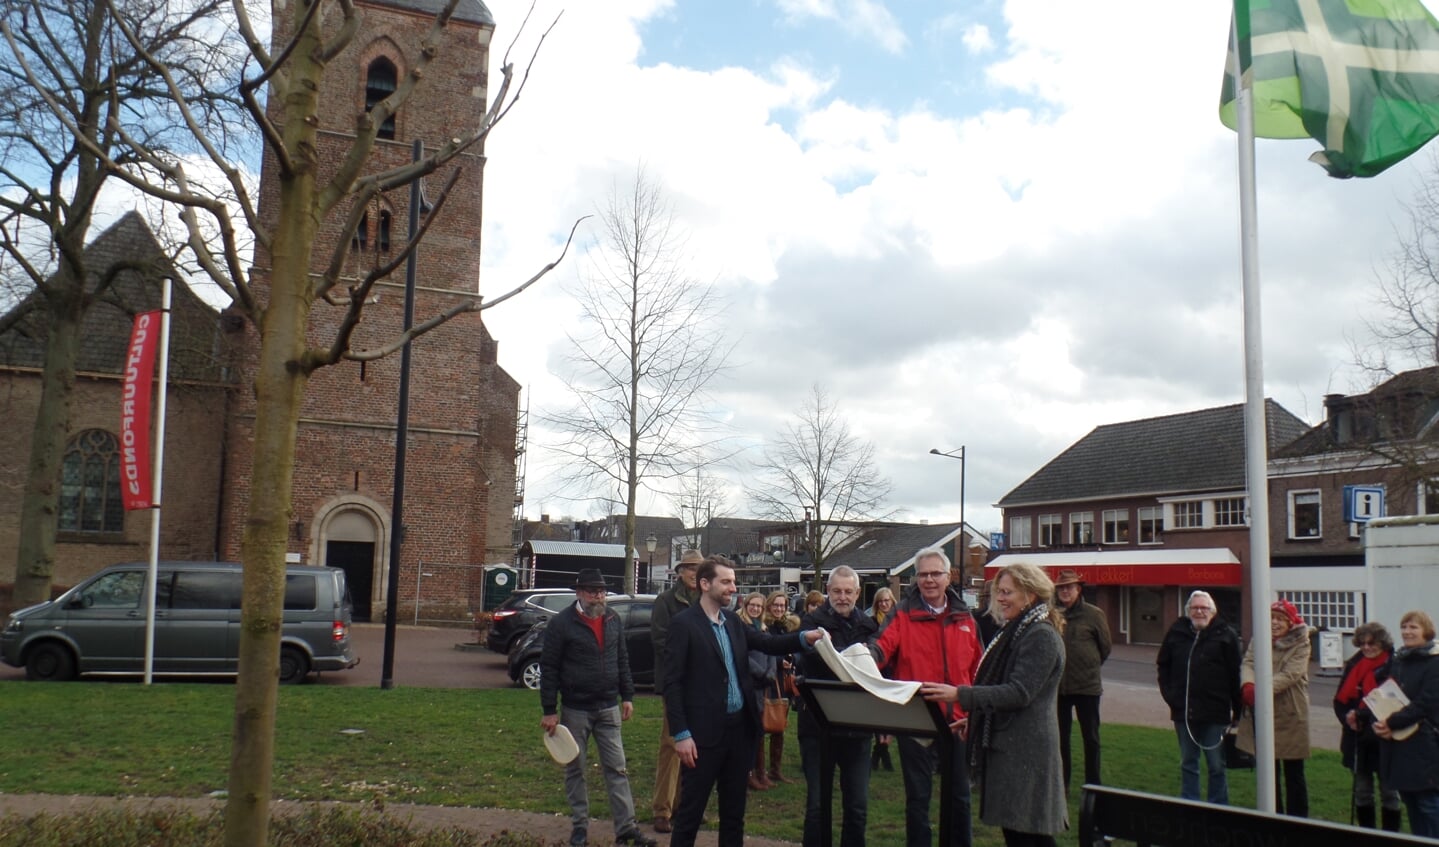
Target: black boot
1391, 819
1364, 816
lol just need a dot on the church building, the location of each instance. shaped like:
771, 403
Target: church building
460, 479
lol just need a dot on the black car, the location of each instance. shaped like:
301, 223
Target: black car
634, 613
522, 610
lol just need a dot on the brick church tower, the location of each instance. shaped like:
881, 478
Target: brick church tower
460, 476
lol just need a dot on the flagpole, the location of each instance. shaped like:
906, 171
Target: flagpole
152, 572
1256, 447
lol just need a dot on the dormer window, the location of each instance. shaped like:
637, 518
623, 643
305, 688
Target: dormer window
380, 82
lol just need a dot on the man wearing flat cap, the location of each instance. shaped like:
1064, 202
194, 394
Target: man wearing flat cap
679, 597
1086, 646
585, 666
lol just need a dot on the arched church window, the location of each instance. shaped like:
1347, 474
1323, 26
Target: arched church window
90, 484
380, 81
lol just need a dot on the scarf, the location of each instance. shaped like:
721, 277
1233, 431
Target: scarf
991, 672
1360, 680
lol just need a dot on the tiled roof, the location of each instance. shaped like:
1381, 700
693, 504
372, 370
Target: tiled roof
1404, 408
889, 546
468, 11
1190, 451
195, 351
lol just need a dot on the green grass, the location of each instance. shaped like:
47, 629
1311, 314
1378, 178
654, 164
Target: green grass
447, 747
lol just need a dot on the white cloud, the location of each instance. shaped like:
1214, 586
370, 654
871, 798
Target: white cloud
863, 19
1006, 275
976, 39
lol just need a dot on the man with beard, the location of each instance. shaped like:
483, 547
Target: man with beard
707, 699
586, 666
846, 625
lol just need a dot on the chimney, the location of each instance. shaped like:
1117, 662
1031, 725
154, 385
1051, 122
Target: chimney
1340, 417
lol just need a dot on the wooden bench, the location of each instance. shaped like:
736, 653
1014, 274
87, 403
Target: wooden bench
1151, 820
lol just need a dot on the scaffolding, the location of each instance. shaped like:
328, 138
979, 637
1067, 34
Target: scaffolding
522, 437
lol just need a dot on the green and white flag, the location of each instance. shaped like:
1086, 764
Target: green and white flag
1361, 77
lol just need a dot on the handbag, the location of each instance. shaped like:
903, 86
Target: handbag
776, 711
1234, 758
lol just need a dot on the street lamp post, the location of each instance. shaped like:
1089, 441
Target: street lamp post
650, 543
963, 544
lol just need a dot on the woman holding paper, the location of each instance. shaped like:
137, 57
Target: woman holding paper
1411, 765
1357, 743
1013, 722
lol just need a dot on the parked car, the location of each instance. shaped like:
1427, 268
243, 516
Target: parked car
634, 612
98, 627
520, 611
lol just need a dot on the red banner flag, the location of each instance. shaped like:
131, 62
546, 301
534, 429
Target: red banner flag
135, 480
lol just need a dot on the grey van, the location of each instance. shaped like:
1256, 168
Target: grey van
98, 627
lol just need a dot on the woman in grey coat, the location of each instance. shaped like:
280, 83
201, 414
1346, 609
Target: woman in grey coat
1013, 721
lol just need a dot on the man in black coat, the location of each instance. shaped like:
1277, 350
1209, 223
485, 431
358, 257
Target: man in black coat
1199, 679
707, 702
846, 625
585, 665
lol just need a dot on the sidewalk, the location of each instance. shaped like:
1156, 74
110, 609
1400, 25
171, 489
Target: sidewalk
484, 822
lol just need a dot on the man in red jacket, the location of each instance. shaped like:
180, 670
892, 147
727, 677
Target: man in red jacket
932, 638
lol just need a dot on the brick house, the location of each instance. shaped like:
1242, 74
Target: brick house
461, 451
1386, 438
1146, 511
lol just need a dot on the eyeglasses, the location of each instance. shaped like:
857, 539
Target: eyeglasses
931, 575
1206, 610
594, 592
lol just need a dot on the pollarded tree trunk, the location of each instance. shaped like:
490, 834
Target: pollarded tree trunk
35, 556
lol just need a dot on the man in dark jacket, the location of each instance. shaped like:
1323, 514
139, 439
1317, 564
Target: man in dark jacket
716, 722
586, 666
1199, 678
1086, 646
667, 765
846, 625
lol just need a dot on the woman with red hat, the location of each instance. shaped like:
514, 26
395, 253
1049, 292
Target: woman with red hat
1291, 707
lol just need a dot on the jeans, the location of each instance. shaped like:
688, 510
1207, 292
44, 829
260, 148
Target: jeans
1423, 812
1086, 707
604, 725
1206, 739
726, 764
917, 763
851, 756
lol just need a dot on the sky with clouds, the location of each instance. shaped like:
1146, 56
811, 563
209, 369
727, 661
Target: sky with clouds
995, 223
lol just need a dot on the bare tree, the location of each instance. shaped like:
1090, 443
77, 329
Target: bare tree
640, 374
819, 472
70, 79
1404, 331
699, 499
313, 198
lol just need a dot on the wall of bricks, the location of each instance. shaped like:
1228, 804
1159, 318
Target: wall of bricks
194, 425
460, 478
